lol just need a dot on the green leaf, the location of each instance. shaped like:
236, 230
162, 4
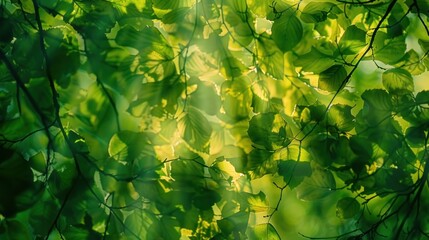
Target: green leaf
265, 231
265, 128
412, 63
147, 40
294, 172
320, 184
389, 50
398, 81
38, 162
6, 30
424, 44
315, 12
341, 117
361, 146
377, 99
322, 149
41, 213
271, 57
195, 129
15, 178
205, 199
315, 62
14, 230
377, 106
333, 78
138, 223
205, 98
260, 163
236, 222
231, 67
237, 98
347, 208
188, 171
287, 32
258, 202
165, 228
352, 41
415, 136
133, 149
422, 97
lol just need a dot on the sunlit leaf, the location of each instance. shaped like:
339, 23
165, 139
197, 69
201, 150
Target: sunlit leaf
272, 59
333, 78
316, 62
195, 129
318, 12
265, 130
388, 50
398, 81
258, 202
265, 231
341, 117
237, 98
412, 63
352, 41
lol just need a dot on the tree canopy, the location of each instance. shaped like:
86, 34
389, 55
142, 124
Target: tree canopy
207, 119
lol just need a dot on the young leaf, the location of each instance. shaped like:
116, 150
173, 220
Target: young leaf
341, 117
195, 129
315, 12
347, 208
412, 63
271, 57
265, 231
237, 98
398, 81
258, 202
206, 98
352, 41
287, 32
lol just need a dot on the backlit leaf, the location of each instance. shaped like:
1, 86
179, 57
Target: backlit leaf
287, 32
195, 129
352, 41
320, 184
333, 78
294, 172
398, 81
315, 12
265, 231
347, 208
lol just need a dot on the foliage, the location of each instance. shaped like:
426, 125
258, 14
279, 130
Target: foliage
153, 119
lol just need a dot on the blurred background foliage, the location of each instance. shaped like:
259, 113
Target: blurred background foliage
214, 119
